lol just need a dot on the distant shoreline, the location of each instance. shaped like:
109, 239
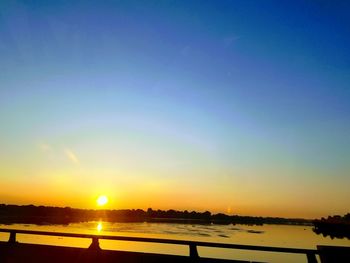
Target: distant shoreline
30, 214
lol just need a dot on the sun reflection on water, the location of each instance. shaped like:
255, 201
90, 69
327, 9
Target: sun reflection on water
99, 227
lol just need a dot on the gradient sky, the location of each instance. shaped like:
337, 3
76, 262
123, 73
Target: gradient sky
240, 107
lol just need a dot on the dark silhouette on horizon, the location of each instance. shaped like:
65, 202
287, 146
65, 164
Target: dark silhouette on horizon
31, 214
334, 226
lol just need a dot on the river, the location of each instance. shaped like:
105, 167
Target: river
266, 235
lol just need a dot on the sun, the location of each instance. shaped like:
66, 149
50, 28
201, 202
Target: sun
102, 200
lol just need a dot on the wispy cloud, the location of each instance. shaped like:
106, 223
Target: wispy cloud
71, 156
56, 153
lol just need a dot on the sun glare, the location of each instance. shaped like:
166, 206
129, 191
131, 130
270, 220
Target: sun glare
99, 227
102, 200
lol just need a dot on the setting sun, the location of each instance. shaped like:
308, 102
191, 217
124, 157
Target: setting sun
102, 200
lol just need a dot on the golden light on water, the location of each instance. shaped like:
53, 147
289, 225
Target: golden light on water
99, 227
102, 200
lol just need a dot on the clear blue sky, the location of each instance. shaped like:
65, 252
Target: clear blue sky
239, 106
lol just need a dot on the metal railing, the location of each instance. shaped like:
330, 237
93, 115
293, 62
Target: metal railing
310, 253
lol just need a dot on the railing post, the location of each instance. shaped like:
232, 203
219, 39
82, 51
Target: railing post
95, 244
193, 250
311, 258
12, 238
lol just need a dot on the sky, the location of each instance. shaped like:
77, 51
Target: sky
241, 107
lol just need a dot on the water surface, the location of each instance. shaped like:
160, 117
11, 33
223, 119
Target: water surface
266, 235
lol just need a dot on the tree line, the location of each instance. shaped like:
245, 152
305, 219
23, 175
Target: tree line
65, 215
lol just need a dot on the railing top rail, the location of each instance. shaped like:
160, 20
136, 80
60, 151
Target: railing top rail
165, 241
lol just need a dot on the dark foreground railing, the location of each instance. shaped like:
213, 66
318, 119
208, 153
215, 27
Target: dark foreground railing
193, 253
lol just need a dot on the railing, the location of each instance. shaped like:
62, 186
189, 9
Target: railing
310, 253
